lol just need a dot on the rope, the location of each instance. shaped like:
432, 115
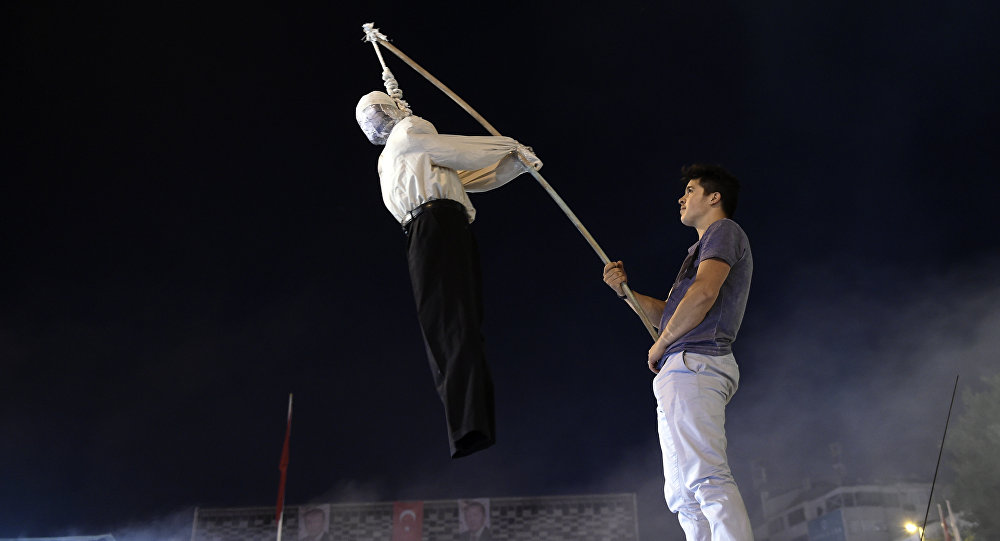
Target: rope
391, 86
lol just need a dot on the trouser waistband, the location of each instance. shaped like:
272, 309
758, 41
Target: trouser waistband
434, 203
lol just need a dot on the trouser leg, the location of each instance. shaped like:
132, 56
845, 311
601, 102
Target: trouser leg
691, 393
447, 287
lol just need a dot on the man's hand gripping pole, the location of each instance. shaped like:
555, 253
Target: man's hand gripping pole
376, 38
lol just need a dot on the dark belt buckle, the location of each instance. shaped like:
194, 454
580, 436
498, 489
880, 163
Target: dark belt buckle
412, 215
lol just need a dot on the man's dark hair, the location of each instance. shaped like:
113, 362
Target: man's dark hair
714, 178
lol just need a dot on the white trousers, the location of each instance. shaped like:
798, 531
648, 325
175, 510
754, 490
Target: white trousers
691, 392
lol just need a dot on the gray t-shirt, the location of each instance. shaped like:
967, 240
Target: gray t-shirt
726, 241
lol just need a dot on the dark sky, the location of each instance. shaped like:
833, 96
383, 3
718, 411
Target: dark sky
192, 228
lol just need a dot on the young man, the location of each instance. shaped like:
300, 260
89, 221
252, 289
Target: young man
424, 177
696, 371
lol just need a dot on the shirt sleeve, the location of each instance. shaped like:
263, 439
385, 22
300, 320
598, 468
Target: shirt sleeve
480, 180
464, 152
494, 176
724, 241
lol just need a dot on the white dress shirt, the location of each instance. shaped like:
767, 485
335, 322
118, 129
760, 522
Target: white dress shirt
419, 165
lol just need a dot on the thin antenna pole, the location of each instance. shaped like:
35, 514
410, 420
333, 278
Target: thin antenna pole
940, 452
373, 35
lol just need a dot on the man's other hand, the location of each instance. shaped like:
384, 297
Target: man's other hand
655, 354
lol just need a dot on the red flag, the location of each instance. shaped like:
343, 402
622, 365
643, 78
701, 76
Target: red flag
283, 465
407, 521
944, 525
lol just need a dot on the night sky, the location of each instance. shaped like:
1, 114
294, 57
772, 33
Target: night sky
192, 229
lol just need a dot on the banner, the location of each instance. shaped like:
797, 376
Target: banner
314, 523
474, 519
407, 521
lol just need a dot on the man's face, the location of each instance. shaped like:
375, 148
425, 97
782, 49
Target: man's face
314, 524
695, 203
474, 517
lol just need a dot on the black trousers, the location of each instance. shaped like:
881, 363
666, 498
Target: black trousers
447, 286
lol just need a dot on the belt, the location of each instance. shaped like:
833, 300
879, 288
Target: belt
434, 203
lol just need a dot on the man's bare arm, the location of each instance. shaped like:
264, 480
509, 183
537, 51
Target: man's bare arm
697, 301
652, 307
614, 275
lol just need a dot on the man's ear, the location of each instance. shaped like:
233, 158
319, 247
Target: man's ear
715, 198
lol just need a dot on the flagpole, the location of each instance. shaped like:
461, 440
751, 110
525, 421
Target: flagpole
194, 524
283, 467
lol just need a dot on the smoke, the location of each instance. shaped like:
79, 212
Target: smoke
869, 366
867, 363
641, 471
352, 491
173, 527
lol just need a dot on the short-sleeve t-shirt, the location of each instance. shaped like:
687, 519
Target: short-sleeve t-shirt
726, 241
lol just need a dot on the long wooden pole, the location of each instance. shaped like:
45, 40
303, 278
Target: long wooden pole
377, 40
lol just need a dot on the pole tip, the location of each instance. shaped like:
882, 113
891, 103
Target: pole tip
372, 34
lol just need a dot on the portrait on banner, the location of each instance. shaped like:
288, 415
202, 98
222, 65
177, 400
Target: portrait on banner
474, 520
314, 523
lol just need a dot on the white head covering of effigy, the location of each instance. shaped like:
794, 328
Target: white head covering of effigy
377, 114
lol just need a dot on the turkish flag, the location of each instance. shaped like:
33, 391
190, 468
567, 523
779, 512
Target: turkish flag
407, 521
